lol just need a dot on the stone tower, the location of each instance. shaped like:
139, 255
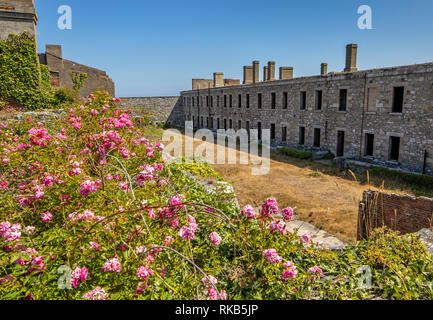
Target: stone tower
17, 16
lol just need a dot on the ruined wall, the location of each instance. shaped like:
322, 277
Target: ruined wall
404, 213
61, 70
17, 16
162, 109
368, 111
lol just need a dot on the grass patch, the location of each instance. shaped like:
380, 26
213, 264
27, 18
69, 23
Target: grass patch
420, 184
315, 174
199, 169
305, 155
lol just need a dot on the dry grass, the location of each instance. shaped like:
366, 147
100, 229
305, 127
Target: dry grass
10, 110
328, 202
324, 196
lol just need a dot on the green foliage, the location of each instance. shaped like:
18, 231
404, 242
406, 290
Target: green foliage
45, 78
21, 77
2, 104
297, 153
78, 79
315, 174
401, 264
64, 96
134, 207
422, 181
198, 169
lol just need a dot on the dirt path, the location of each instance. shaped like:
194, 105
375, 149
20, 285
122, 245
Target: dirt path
326, 201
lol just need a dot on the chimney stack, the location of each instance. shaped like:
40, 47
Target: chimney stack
248, 74
218, 79
286, 73
271, 70
256, 71
265, 73
324, 69
351, 55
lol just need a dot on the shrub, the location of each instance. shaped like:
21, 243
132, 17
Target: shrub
398, 264
201, 170
64, 96
78, 79
424, 181
297, 153
90, 209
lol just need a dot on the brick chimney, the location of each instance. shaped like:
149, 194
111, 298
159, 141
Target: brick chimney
271, 70
323, 69
248, 74
256, 65
286, 73
218, 79
351, 55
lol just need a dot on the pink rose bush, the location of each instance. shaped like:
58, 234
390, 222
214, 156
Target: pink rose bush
112, 265
96, 294
46, 216
270, 207
290, 271
248, 212
215, 238
272, 256
144, 272
78, 275
92, 192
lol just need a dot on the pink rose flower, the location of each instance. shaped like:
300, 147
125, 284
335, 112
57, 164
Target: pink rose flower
46, 216
215, 238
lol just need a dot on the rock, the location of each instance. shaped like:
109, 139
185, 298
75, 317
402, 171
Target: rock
300, 227
341, 162
329, 241
320, 155
327, 163
426, 236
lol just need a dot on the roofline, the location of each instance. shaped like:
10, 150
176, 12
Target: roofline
332, 75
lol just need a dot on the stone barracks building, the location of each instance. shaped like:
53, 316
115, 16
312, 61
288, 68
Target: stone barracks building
17, 16
379, 116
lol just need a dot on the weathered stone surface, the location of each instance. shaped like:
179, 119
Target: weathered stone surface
320, 155
17, 16
368, 110
161, 109
327, 240
426, 236
404, 213
317, 235
42, 115
61, 69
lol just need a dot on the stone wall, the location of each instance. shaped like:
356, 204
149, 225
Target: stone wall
404, 213
17, 16
161, 109
61, 70
369, 110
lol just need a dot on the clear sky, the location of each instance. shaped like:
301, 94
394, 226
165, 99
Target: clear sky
154, 48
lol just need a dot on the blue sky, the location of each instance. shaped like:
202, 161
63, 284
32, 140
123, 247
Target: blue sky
154, 48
